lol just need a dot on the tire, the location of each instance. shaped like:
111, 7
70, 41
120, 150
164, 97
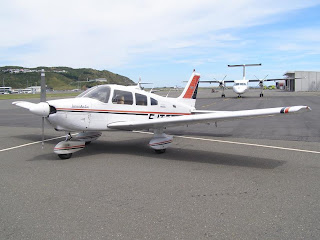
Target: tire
65, 156
160, 151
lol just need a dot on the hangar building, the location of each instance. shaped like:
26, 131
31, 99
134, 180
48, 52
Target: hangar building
306, 81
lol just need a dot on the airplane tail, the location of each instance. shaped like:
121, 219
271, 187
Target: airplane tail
189, 94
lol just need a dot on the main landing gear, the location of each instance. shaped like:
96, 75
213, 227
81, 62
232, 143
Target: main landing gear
261, 88
75, 143
222, 94
160, 142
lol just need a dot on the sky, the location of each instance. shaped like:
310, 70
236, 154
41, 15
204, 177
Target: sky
163, 41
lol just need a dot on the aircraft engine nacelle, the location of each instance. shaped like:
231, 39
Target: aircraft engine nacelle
221, 84
261, 83
161, 141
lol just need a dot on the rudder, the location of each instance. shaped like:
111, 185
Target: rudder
191, 89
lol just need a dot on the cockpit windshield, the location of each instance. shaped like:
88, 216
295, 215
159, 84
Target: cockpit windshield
101, 93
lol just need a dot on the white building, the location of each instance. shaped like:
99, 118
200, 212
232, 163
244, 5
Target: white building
35, 89
302, 81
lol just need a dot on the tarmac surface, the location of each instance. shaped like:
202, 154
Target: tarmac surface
245, 179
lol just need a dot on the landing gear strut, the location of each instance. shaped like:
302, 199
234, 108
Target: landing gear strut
223, 95
261, 88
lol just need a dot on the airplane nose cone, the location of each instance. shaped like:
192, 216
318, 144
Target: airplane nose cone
41, 109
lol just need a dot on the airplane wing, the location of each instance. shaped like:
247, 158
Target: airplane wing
272, 79
216, 81
203, 118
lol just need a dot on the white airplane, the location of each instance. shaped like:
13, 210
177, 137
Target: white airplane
241, 86
115, 107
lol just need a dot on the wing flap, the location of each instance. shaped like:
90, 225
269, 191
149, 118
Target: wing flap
204, 118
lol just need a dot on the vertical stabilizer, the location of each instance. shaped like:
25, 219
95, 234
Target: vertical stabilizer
189, 94
191, 89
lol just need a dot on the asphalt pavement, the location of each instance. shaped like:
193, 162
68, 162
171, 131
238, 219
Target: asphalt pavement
246, 179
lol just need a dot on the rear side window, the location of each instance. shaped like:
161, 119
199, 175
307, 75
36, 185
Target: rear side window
141, 99
154, 102
122, 97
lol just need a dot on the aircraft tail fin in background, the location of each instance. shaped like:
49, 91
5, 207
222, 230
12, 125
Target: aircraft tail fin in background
189, 94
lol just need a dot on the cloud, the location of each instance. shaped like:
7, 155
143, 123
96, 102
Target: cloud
109, 34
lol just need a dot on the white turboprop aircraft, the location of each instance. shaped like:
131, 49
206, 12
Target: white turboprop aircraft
115, 107
241, 86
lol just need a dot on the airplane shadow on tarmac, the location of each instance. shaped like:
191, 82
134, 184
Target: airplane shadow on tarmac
139, 147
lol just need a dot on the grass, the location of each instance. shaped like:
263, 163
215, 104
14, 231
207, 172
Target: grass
29, 96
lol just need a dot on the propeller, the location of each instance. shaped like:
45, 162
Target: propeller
221, 83
43, 108
261, 80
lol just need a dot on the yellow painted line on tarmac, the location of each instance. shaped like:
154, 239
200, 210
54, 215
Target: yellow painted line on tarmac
240, 143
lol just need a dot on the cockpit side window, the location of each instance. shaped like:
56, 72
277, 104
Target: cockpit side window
141, 99
122, 97
154, 102
100, 93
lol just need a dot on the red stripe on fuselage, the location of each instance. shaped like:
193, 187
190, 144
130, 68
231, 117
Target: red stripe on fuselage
119, 111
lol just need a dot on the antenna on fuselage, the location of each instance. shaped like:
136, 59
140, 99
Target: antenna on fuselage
244, 67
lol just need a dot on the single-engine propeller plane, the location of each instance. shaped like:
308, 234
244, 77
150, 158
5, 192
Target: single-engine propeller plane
115, 107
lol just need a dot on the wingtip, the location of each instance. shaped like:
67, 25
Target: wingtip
301, 109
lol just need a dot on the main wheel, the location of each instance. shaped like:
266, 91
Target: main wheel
159, 151
65, 156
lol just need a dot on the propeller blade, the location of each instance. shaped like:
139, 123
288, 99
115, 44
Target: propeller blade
224, 77
43, 87
42, 132
44, 110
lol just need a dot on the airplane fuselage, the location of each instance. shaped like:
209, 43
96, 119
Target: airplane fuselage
91, 112
240, 86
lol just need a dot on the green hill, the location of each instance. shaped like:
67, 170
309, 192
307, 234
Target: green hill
59, 78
